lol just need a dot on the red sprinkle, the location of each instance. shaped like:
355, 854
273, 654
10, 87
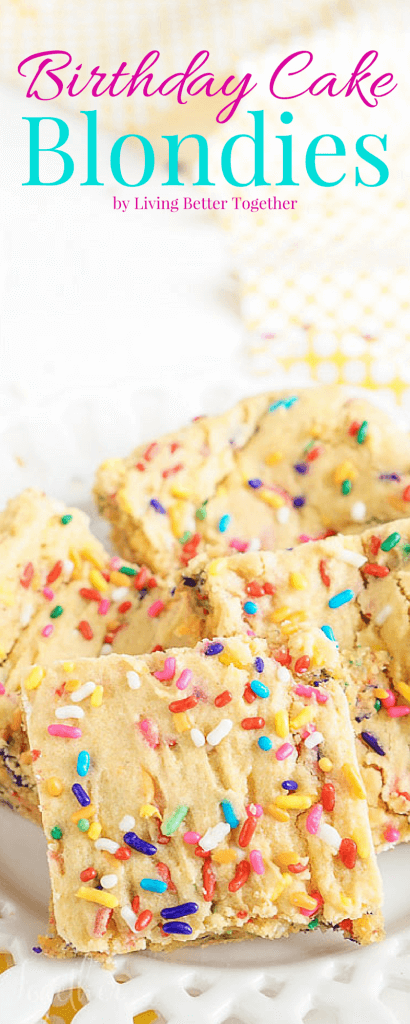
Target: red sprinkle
327, 796
209, 880
88, 874
102, 918
140, 466
241, 876
152, 450
314, 453
283, 657
302, 664
85, 629
354, 427
141, 578
249, 695
406, 493
161, 839
151, 583
242, 913
27, 576
135, 905
253, 723
254, 589
372, 569
143, 920
324, 575
90, 594
124, 607
172, 470
165, 875
348, 852
157, 648
222, 699
174, 446
268, 588
247, 831
36, 753
375, 543
347, 925
296, 869
123, 853
54, 573
176, 706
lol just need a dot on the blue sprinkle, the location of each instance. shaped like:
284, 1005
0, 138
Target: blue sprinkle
83, 763
189, 581
250, 607
229, 814
81, 794
301, 467
214, 649
176, 927
255, 483
182, 911
259, 664
131, 839
299, 501
153, 885
343, 598
157, 505
373, 742
290, 401
285, 402
276, 405
259, 688
328, 631
224, 523
289, 785
265, 743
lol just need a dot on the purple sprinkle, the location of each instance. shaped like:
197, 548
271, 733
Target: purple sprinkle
299, 501
182, 911
157, 505
214, 649
189, 581
177, 928
373, 743
290, 785
131, 839
37, 949
81, 794
259, 664
301, 467
390, 476
255, 483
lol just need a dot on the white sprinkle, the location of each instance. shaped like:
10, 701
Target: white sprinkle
106, 649
383, 614
358, 512
69, 712
127, 823
107, 844
222, 729
26, 614
313, 740
133, 680
283, 674
283, 514
352, 558
119, 593
197, 737
68, 567
214, 836
129, 917
82, 692
330, 836
254, 544
108, 881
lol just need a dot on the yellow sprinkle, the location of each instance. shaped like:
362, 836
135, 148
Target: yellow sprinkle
82, 813
325, 764
94, 830
287, 857
273, 458
2, 654
148, 786
280, 614
178, 517
344, 471
381, 693
68, 666
120, 579
105, 899
96, 698
78, 564
93, 556
404, 689
299, 899
354, 781
305, 716
282, 724
97, 580
180, 492
277, 813
149, 811
215, 566
223, 856
271, 498
34, 677
360, 837
283, 883
237, 654
181, 721
54, 786
346, 902
72, 684
295, 801
298, 581
123, 501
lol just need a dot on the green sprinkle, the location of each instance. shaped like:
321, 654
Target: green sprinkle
377, 704
185, 536
362, 432
346, 486
175, 820
313, 924
126, 569
201, 512
56, 612
406, 549
390, 542
83, 824
56, 832
65, 519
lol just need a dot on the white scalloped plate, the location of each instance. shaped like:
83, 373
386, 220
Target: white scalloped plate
315, 979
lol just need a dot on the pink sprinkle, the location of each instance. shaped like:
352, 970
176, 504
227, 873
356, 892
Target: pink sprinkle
149, 731
321, 698
191, 838
102, 918
155, 609
398, 711
184, 679
307, 730
257, 864
103, 606
68, 732
284, 751
304, 691
239, 545
167, 672
314, 818
390, 700
47, 631
309, 913
115, 562
48, 593
2, 689
250, 632
303, 538
254, 810
391, 834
